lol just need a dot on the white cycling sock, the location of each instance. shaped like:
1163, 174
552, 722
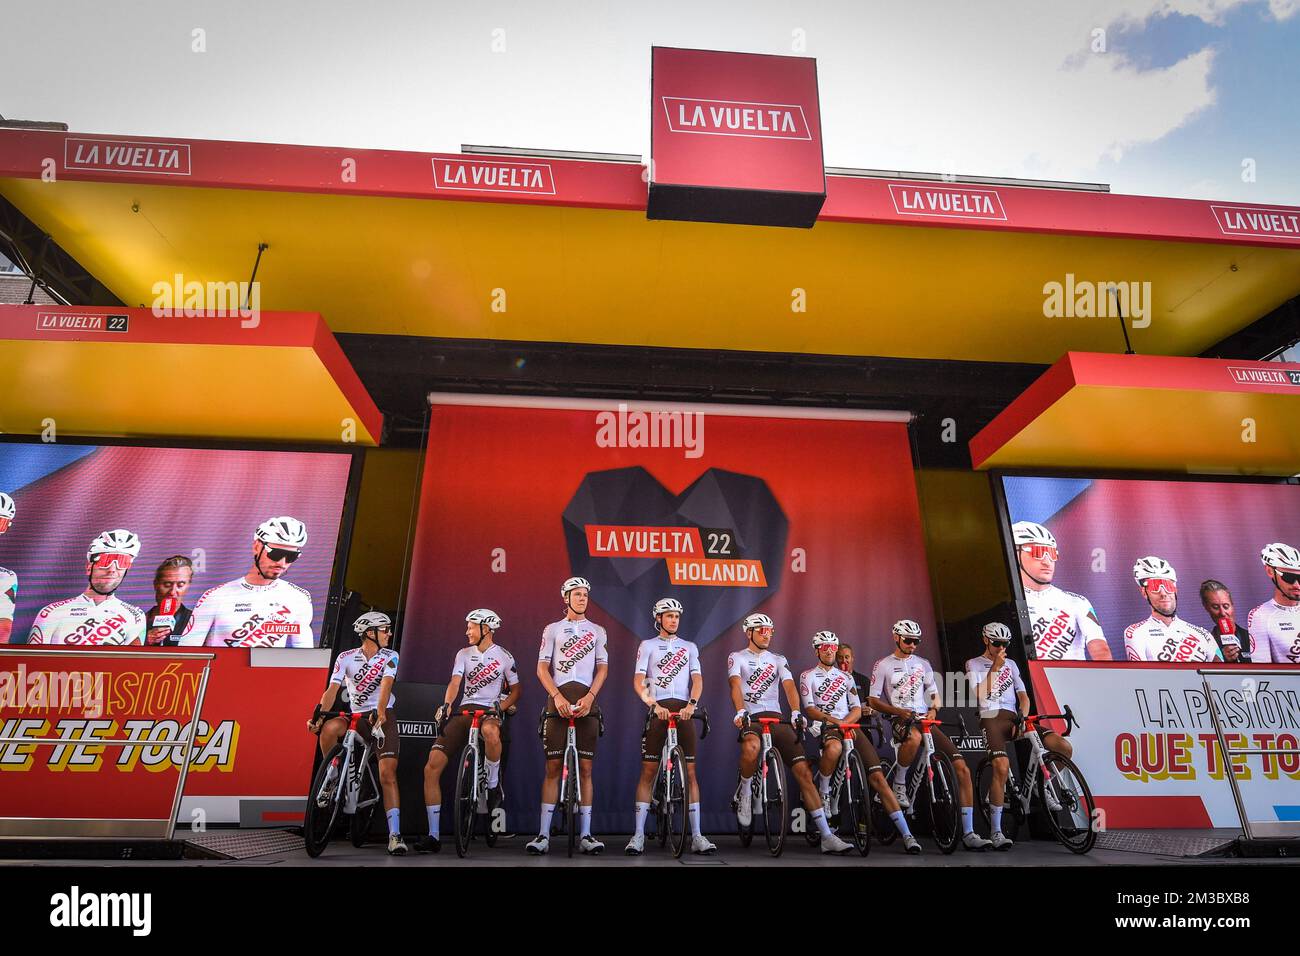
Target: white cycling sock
394, 821
900, 775
745, 784
819, 818
493, 772
584, 813
435, 815
548, 811
967, 820
694, 812
641, 810
900, 821
823, 786
995, 817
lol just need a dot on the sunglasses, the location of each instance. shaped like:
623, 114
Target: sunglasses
1290, 577
911, 641
283, 554
120, 561
1039, 551
1161, 584
999, 643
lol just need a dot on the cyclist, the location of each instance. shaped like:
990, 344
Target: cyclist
572, 667
1275, 625
96, 616
8, 580
368, 671
1164, 636
1000, 694
903, 686
487, 671
260, 609
1065, 625
667, 680
830, 698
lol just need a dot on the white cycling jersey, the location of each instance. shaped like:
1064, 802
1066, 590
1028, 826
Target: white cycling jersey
830, 690
761, 678
8, 594
573, 649
1158, 640
363, 676
485, 675
1006, 683
1063, 624
82, 622
905, 682
239, 614
1274, 633
668, 664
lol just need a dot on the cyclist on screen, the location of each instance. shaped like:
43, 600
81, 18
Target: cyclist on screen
903, 686
8, 580
1164, 636
369, 672
1275, 625
96, 616
830, 698
667, 680
1065, 625
261, 609
487, 672
1000, 694
572, 666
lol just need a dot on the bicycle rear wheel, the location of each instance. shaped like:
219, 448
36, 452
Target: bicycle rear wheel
323, 803
676, 803
1072, 824
359, 825
466, 803
571, 809
856, 800
942, 797
775, 813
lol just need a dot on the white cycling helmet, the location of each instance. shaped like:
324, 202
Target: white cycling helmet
282, 532
371, 619
823, 638
572, 583
756, 620
907, 628
1152, 567
7, 507
664, 605
1028, 532
485, 617
120, 541
1275, 555
996, 631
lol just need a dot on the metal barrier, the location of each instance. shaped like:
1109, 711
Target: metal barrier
1248, 831
108, 828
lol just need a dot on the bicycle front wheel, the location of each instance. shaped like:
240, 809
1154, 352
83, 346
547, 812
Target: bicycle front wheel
367, 801
944, 809
466, 802
750, 793
678, 826
571, 806
857, 805
1072, 823
323, 802
775, 814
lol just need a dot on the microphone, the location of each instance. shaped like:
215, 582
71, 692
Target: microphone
1228, 631
166, 616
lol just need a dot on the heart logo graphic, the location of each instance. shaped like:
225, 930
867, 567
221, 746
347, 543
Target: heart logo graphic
718, 547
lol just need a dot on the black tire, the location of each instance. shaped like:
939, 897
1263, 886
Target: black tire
359, 825
1073, 823
776, 815
945, 812
677, 804
318, 822
466, 805
661, 806
571, 805
855, 800
746, 833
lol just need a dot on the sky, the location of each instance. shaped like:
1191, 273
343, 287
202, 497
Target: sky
1190, 98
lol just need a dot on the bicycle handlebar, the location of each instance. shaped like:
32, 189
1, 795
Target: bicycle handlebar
1068, 716
700, 714
799, 730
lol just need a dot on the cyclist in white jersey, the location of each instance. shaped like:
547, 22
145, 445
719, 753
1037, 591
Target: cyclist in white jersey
261, 609
1065, 625
1000, 695
667, 680
572, 666
8, 580
368, 672
486, 672
1275, 625
96, 617
903, 686
1164, 636
830, 698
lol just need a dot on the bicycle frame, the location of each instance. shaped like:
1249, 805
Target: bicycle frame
567, 780
1023, 788
473, 744
841, 776
921, 770
350, 775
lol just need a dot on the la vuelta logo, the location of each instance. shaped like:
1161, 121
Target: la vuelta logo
736, 118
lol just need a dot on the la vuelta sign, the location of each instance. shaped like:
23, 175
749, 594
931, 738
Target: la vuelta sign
493, 176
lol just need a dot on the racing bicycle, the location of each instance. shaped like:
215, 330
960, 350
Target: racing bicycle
471, 784
668, 800
569, 800
345, 782
767, 790
932, 776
